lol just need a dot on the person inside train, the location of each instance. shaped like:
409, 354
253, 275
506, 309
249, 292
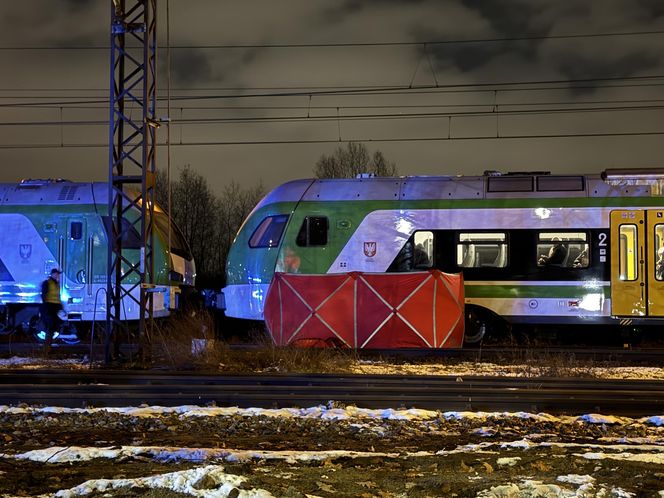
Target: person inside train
659, 265
556, 255
421, 258
581, 261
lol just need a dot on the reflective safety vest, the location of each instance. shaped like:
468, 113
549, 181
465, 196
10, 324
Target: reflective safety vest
52, 294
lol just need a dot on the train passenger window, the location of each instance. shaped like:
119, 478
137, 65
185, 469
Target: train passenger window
76, 230
268, 232
423, 251
628, 253
563, 249
313, 231
476, 250
659, 251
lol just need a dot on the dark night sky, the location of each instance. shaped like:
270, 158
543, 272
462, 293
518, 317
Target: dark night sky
500, 84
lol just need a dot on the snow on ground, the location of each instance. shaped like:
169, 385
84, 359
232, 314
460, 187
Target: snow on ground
188, 482
351, 413
185, 481
221, 484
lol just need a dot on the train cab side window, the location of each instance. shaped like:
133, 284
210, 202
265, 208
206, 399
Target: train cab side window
475, 250
563, 249
131, 239
76, 230
268, 233
313, 231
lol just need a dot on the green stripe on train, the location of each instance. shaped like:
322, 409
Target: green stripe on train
518, 290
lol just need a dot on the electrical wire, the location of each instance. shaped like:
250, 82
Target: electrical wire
495, 110
354, 139
428, 90
357, 44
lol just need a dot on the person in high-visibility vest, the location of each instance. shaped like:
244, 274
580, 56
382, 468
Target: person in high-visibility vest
51, 305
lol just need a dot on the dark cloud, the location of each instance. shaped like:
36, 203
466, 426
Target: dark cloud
509, 18
189, 66
578, 67
468, 57
79, 5
652, 9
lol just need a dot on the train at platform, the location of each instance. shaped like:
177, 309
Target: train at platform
47, 224
533, 247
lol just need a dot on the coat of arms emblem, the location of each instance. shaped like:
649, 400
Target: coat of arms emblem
25, 250
370, 249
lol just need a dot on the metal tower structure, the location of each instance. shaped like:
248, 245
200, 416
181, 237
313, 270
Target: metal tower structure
131, 171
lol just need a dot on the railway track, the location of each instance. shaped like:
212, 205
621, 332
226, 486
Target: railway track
653, 356
551, 395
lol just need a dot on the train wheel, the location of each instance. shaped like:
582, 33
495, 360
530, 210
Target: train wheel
69, 334
476, 327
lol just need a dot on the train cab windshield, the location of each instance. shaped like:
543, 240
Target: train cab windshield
269, 232
179, 245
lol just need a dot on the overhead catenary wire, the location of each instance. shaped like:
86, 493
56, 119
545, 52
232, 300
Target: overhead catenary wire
396, 90
337, 116
446, 138
532, 37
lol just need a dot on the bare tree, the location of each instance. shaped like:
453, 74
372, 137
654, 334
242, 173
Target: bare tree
350, 161
195, 212
208, 222
235, 203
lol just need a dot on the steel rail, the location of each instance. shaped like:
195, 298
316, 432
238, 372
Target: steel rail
641, 355
112, 388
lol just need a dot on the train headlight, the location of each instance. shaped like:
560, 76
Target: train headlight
592, 302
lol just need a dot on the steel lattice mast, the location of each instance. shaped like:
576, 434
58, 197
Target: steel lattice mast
131, 172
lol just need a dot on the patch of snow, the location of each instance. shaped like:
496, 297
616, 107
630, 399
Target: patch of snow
576, 479
509, 462
528, 489
658, 421
186, 481
594, 418
69, 454
485, 431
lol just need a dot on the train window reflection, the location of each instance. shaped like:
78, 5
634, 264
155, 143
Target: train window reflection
476, 250
268, 233
628, 263
563, 249
423, 252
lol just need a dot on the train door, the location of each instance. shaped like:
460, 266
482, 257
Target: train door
637, 282
655, 261
75, 260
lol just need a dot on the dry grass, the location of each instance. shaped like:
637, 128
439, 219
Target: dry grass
527, 363
186, 341
266, 357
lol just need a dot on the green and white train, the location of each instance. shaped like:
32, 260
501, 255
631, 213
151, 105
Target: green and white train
55, 223
497, 229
